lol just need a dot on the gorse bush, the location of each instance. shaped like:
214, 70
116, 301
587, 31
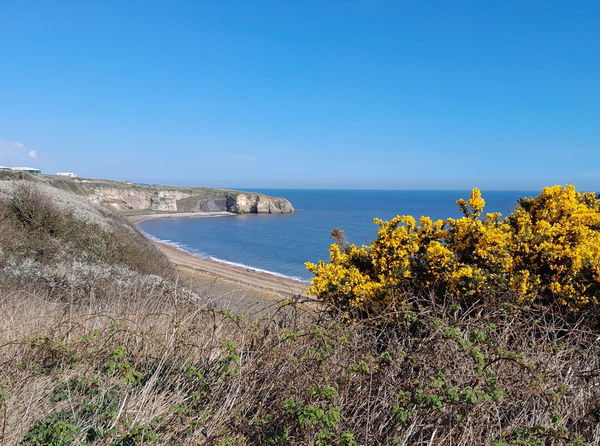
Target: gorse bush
556, 247
547, 250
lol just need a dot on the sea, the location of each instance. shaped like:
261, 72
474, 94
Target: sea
281, 244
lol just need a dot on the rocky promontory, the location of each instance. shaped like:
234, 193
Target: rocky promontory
166, 200
170, 199
136, 198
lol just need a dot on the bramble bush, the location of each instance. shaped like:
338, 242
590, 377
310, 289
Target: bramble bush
547, 250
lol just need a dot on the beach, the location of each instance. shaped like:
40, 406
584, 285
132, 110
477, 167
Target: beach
241, 289
137, 218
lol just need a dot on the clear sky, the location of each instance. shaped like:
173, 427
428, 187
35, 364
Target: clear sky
319, 94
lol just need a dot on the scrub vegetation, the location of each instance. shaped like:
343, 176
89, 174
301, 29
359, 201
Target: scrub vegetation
99, 345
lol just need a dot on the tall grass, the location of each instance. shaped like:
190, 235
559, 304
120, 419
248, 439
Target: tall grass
145, 369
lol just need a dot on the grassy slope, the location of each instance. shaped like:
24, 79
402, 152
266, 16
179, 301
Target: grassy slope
104, 350
48, 232
84, 185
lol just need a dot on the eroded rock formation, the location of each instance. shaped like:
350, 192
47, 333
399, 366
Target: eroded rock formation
258, 204
124, 199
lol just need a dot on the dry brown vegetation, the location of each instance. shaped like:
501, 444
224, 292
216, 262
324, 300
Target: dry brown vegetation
149, 370
116, 364
74, 245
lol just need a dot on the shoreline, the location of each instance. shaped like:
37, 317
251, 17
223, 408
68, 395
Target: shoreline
264, 284
138, 218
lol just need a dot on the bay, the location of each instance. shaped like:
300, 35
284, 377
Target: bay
282, 243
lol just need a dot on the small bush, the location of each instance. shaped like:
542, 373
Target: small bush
35, 211
52, 430
548, 250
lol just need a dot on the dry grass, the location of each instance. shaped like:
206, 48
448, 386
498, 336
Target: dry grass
45, 232
153, 370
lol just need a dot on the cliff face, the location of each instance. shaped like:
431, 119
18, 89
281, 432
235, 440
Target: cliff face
258, 204
125, 199
125, 196
156, 199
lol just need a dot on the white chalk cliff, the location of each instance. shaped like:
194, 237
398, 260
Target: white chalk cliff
124, 199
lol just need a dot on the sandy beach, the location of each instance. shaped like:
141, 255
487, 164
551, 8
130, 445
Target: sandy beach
263, 283
135, 219
242, 289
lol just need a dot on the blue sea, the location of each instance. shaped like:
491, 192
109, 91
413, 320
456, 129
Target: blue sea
280, 244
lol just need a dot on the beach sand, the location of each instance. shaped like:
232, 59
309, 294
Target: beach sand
137, 218
242, 290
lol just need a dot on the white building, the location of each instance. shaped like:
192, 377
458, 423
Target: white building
66, 174
26, 169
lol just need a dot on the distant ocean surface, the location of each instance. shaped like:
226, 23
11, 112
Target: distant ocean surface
282, 243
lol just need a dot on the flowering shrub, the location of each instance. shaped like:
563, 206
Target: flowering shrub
547, 250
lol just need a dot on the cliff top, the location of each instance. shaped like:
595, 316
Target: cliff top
83, 185
134, 198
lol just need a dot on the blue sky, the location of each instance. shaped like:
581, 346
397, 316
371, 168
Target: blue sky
318, 94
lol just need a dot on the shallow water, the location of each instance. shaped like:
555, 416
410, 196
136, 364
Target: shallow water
282, 243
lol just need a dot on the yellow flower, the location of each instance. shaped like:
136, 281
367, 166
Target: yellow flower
548, 249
